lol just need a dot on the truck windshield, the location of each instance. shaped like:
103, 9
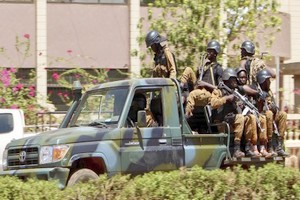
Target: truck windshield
101, 108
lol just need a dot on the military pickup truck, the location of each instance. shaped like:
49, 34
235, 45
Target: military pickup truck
95, 137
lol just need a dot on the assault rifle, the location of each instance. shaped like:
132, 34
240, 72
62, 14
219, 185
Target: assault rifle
248, 105
261, 93
202, 62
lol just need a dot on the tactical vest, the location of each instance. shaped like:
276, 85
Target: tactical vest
228, 107
162, 60
209, 78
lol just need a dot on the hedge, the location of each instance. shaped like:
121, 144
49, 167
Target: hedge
269, 182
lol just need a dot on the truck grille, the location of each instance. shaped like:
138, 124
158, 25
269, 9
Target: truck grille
26, 156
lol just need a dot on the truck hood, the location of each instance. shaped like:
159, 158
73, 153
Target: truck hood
67, 135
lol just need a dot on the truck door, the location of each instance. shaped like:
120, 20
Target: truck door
150, 148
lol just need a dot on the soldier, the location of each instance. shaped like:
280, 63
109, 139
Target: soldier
139, 102
165, 65
276, 119
210, 72
206, 78
227, 111
252, 64
251, 130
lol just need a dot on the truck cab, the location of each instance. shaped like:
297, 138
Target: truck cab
99, 135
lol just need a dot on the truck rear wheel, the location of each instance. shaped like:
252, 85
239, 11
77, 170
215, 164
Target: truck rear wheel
82, 175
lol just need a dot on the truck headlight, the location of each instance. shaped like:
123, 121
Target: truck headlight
4, 159
55, 153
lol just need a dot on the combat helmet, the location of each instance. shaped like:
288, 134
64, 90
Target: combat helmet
153, 37
215, 45
262, 75
248, 46
240, 69
227, 73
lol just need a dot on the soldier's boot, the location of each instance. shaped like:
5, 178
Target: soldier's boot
255, 151
279, 148
270, 148
264, 152
237, 150
248, 150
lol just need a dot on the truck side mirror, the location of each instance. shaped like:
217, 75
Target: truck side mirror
141, 119
77, 90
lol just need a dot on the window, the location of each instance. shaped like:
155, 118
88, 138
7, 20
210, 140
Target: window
151, 102
6, 122
102, 107
16, 1
89, 1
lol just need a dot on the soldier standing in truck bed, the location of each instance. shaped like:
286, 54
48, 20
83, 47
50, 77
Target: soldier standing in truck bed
251, 64
165, 65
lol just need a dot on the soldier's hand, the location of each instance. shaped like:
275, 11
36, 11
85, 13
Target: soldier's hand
263, 95
230, 98
201, 84
188, 114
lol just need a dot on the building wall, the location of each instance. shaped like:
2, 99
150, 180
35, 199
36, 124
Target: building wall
290, 68
84, 35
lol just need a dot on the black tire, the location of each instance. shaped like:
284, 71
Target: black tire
82, 175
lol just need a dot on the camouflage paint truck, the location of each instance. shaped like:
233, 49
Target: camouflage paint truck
95, 138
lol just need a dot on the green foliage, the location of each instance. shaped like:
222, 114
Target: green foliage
269, 182
14, 94
190, 25
13, 188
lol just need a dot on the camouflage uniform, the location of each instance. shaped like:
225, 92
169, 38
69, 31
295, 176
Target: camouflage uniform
189, 76
275, 118
197, 98
225, 109
253, 66
164, 64
280, 118
251, 130
201, 97
151, 122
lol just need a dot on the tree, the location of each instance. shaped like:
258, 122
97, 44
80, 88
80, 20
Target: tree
190, 24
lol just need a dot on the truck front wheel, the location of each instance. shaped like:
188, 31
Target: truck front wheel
82, 175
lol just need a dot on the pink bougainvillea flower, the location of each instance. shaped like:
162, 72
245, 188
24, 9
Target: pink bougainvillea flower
94, 81
2, 100
14, 106
18, 87
50, 92
66, 95
5, 77
297, 91
13, 70
69, 51
55, 76
31, 93
59, 93
27, 36
77, 76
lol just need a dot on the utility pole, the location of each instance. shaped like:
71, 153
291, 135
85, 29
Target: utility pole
41, 50
134, 15
222, 33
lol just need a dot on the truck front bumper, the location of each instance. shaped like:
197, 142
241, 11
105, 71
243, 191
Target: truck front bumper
58, 173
